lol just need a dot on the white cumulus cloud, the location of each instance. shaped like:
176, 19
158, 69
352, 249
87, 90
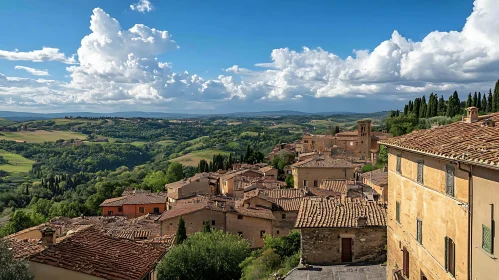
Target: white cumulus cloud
142, 6
45, 54
36, 72
117, 66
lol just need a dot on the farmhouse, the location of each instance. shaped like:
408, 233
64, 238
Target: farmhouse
134, 205
311, 172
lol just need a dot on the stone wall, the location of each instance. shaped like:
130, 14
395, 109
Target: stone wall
322, 246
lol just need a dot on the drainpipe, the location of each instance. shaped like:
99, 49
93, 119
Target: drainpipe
470, 216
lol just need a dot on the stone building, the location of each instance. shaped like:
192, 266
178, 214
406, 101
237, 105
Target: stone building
134, 205
228, 180
334, 232
443, 189
362, 142
378, 181
200, 183
311, 172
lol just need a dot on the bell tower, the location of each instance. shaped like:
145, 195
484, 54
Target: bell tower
364, 134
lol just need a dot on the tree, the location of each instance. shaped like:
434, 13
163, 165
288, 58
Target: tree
206, 227
469, 102
383, 155
290, 181
181, 234
214, 255
441, 106
483, 106
490, 107
479, 101
156, 181
495, 98
475, 100
12, 269
175, 172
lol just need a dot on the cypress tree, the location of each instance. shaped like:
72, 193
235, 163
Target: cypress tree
406, 109
469, 102
479, 101
181, 234
441, 106
483, 106
475, 100
495, 98
206, 227
410, 106
489, 102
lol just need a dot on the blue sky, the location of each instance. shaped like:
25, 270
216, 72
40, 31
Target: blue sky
265, 39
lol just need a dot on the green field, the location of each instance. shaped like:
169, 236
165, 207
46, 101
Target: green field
249, 134
193, 158
166, 142
15, 162
40, 136
286, 125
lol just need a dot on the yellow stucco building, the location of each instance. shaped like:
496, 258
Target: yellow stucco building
443, 186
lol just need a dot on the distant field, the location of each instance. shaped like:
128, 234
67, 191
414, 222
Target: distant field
166, 142
249, 133
6, 122
40, 136
16, 163
286, 125
193, 158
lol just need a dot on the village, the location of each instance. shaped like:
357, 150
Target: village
427, 214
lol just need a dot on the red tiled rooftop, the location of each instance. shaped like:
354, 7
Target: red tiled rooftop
339, 186
378, 177
285, 193
137, 198
24, 248
92, 252
325, 162
476, 143
320, 213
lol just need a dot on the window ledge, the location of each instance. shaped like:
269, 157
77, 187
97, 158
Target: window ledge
487, 253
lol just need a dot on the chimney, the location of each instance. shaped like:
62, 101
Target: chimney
362, 221
48, 236
471, 114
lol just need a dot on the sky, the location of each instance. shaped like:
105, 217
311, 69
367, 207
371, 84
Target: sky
206, 56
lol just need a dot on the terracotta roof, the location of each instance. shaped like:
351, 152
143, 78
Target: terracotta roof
339, 186
319, 213
266, 169
255, 212
378, 177
24, 248
129, 191
285, 193
165, 241
187, 208
137, 198
326, 162
289, 204
241, 172
92, 252
187, 181
470, 142
315, 191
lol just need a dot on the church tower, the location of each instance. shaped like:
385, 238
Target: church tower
364, 131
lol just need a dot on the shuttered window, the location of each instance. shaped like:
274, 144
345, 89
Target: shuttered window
419, 231
405, 270
399, 168
450, 256
420, 171
449, 180
487, 243
397, 211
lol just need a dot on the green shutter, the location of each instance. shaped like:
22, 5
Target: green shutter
487, 239
449, 180
453, 272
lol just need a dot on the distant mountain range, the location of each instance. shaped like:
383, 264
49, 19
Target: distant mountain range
23, 116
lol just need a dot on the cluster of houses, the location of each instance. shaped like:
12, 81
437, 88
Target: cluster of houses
429, 213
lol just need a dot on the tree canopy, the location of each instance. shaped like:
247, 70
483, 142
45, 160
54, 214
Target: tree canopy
11, 269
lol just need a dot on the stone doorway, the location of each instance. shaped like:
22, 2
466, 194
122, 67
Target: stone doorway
346, 250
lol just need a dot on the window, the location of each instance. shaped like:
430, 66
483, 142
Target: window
450, 256
240, 233
239, 217
304, 183
110, 213
316, 183
423, 277
212, 222
141, 210
399, 168
283, 216
405, 269
156, 210
262, 233
420, 171
397, 211
449, 180
419, 231
120, 209
277, 232
351, 143
487, 239
306, 141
